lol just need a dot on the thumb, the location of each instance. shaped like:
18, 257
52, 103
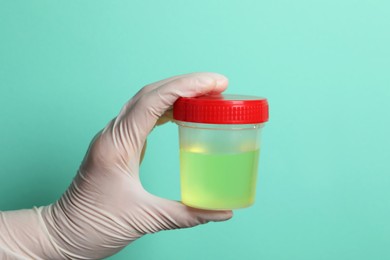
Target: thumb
143, 115
171, 214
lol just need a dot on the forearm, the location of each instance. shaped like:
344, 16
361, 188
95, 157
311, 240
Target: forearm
80, 232
23, 235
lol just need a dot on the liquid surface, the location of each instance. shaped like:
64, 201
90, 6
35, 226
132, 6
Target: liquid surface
218, 181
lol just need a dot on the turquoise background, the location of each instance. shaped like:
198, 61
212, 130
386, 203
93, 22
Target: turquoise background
67, 67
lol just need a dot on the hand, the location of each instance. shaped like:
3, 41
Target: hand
106, 207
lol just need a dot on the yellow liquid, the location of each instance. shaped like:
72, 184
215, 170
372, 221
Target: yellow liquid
218, 181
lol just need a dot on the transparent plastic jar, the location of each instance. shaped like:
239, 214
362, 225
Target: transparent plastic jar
219, 138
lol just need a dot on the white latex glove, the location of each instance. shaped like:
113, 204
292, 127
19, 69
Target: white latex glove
106, 207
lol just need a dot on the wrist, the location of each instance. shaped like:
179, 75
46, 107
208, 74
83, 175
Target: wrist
81, 230
24, 233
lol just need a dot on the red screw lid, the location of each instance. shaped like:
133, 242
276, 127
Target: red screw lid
222, 109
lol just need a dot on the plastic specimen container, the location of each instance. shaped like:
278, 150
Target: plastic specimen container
219, 138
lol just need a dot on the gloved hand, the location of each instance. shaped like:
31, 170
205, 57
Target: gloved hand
106, 207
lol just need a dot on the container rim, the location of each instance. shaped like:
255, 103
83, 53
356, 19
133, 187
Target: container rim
233, 127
